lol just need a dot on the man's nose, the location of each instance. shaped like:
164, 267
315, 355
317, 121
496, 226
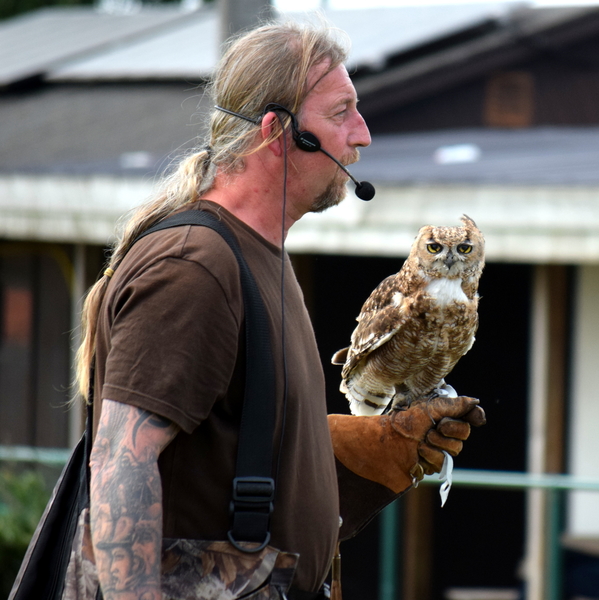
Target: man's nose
361, 137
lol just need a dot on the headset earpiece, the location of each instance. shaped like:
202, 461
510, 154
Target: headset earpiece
306, 140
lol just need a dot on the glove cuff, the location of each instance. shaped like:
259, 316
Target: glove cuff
374, 449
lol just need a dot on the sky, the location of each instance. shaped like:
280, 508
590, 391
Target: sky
290, 5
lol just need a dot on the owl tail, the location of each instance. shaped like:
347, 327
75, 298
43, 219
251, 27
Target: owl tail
363, 400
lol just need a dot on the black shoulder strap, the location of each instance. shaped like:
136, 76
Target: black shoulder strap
253, 486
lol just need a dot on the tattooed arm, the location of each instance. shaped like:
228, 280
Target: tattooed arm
126, 500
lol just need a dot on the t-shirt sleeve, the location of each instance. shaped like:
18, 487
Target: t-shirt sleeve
174, 339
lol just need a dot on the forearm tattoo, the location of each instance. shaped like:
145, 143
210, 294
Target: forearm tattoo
126, 501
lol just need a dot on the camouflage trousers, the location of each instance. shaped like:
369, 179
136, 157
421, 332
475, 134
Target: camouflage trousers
192, 569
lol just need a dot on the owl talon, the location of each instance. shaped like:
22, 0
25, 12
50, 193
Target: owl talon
443, 390
428, 412
401, 401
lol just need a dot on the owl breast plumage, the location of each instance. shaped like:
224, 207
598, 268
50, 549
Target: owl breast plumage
416, 324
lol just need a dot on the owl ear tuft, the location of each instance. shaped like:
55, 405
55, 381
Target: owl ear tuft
425, 230
468, 222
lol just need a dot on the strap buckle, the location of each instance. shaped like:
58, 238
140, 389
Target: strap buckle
251, 507
253, 491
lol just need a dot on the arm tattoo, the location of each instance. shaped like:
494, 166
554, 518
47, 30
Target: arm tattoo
152, 419
126, 500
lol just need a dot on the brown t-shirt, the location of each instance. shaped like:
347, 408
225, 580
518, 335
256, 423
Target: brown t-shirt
171, 340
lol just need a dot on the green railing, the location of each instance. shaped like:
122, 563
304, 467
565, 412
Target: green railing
555, 485
44, 456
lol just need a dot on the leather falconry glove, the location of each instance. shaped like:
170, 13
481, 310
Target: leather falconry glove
397, 449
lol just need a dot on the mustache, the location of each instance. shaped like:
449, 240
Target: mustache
350, 159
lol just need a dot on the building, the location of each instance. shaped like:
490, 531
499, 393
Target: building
489, 110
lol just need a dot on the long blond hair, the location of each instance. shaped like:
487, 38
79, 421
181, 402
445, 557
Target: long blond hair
268, 64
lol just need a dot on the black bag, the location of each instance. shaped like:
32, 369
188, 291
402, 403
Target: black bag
64, 526
42, 572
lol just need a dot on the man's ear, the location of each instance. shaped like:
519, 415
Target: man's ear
270, 126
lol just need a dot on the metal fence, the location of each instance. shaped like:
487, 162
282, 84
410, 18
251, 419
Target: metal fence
555, 486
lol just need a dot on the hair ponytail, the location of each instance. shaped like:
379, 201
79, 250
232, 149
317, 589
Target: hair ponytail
192, 178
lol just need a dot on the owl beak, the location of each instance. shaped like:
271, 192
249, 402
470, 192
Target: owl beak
449, 260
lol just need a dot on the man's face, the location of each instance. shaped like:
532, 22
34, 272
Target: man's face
330, 112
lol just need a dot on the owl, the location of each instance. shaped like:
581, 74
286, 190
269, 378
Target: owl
416, 324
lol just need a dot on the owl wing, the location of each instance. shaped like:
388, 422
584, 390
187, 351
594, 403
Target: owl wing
382, 316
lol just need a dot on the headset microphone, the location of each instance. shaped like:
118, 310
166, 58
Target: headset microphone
307, 141
364, 189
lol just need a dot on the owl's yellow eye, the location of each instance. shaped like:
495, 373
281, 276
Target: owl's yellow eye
434, 248
464, 248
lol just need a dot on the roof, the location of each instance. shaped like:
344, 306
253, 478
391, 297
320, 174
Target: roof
34, 44
102, 129
139, 128
379, 33
190, 49
162, 42
535, 156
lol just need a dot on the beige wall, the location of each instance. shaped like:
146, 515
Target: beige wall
583, 508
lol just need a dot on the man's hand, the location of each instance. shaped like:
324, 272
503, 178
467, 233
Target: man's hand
448, 435
399, 448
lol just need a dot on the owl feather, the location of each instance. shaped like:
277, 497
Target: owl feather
416, 324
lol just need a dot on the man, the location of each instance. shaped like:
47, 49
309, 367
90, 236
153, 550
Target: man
165, 325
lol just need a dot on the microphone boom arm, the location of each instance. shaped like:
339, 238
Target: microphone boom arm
364, 189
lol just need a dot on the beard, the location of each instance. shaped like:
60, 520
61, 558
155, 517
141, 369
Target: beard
332, 195
336, 191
